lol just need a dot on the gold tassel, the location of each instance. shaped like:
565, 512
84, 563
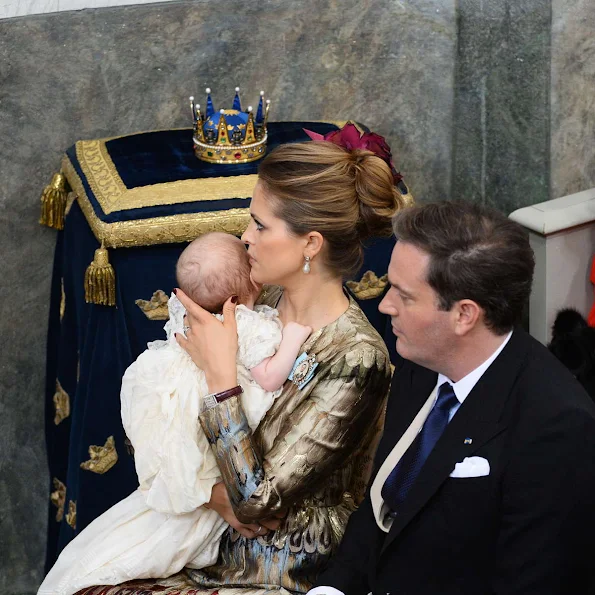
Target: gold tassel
53, 202
100, 280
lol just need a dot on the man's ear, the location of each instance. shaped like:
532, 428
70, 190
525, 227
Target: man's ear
467, 314
314, 244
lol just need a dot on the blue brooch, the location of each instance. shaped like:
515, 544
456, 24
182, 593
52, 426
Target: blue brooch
303, 370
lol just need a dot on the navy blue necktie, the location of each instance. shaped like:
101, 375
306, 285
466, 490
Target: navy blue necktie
402, 477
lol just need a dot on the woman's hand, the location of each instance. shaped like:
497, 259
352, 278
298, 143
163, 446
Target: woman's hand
212, 345
220, 503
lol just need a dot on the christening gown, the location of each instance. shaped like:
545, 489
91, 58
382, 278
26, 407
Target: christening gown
310, 456
163, 526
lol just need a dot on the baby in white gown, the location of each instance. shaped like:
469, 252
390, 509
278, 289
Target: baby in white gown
163, 525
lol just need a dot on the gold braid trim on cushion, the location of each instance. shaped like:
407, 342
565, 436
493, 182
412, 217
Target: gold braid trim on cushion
172, 229
101, 173
112, 194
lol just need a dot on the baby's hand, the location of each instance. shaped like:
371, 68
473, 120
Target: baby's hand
296, 332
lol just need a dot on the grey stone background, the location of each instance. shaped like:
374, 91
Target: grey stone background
501, 117
484, 100
572, 96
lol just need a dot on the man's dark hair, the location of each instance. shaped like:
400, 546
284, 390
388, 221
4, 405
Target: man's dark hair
475, 253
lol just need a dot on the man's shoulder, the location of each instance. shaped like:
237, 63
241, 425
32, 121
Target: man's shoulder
546, 389
547, 372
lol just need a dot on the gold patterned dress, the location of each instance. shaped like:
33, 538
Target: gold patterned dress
310, 455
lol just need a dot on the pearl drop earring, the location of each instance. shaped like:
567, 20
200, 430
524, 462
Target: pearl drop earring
306, 267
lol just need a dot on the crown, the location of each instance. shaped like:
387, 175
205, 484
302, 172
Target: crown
156, 307
230, 135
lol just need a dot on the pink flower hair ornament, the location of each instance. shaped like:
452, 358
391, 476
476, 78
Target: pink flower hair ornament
350, 138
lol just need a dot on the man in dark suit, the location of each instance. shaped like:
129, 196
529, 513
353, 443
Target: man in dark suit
485, 476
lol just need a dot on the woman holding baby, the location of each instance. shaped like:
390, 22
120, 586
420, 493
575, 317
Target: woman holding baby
289, 487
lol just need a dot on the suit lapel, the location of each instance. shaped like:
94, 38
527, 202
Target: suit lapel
413, 384
478, 418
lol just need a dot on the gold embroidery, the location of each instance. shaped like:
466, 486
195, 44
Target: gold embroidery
58, 498
182, 191
156, 307
61, 404
369, 286
173, 229
62, 300
101, 173
71, 514
103, 458
112, 194
70, 200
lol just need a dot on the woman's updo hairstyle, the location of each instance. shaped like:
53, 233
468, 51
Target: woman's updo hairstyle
347, 196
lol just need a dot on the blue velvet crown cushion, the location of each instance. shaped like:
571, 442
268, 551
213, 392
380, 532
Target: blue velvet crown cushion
149, 188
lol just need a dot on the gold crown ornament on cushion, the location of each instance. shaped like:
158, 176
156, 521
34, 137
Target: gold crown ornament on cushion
230, 135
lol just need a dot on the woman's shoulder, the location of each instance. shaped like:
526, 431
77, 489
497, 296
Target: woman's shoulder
355, 343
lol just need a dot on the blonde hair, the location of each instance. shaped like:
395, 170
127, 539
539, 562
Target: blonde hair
347, 196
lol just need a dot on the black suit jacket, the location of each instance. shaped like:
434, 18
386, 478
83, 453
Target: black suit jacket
526, 528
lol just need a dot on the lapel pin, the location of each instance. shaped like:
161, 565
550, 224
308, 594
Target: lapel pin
468, 441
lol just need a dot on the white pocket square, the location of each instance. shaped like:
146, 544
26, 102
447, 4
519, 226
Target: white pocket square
471, 467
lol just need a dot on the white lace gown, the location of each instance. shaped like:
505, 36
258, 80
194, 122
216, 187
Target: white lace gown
163, 525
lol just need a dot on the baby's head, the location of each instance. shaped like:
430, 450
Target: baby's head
213, 268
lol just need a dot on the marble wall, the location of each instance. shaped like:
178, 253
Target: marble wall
110, 71
501, 117
573, 97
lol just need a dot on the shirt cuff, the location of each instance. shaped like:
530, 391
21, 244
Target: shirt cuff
324, 591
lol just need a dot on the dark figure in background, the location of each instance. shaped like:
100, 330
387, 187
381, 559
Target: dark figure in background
573, 343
